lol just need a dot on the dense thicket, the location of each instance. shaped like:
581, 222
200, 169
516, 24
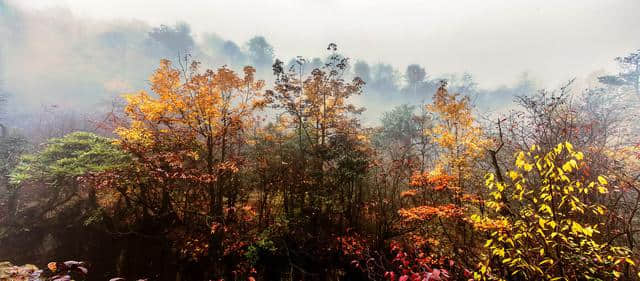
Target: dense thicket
216, 175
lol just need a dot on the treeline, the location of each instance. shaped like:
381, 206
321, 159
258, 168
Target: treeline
96, 61
216, 174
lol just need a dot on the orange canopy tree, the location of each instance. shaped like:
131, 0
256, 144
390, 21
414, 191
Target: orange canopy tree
189, 134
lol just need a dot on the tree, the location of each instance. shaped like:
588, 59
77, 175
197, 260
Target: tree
457, 135
438, 200
599, 121
384, 78
398, 126
57, 169
260, 52
415, 75
11, 148
630, 74
327, 156
319, 109
235, 55
190, 137
177, 40
361, 69
539, 227
64, 159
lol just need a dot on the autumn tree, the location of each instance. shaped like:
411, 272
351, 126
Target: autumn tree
318, 110
321, 145
192, 130
440, 198
599, 121
538, 223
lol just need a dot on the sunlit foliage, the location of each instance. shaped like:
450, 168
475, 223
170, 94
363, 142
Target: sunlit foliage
546, 235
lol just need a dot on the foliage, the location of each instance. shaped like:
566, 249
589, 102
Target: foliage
630, 74
213, 187
440, 199
11, 148
64, 159
28, 272
546, 234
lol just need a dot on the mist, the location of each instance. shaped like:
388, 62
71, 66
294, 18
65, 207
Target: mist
72, 56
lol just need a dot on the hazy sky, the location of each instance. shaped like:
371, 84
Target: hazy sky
495, 40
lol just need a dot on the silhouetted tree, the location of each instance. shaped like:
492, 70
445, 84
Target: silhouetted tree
260, 52
362, 70
176, 39
415, 75
630, 74
384, 78
231, 51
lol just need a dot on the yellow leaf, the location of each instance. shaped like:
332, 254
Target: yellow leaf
602, 189
547, 260
541, 222
488, 243
630, 261
602, 180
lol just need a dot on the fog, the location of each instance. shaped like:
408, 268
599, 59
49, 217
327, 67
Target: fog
82, 54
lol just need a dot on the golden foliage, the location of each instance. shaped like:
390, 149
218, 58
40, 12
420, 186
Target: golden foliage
544, 211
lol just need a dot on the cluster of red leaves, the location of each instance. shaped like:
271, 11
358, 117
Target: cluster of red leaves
414, 264
238, 232
352, 245
404, 261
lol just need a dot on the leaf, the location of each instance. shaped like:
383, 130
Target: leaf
488, 243
542, 222
630, 261
545, 261
602, 189
52, 266
602, 180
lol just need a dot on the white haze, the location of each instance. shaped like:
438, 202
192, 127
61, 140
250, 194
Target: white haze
55, 51
496, 40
